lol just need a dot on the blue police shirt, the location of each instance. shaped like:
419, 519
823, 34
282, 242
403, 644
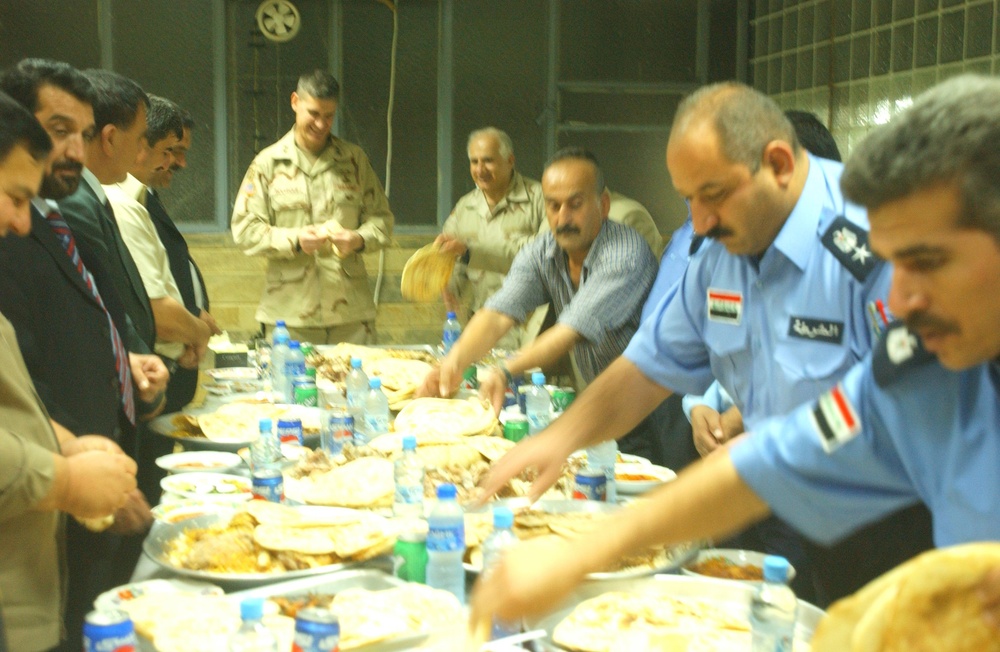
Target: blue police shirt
873, 445
673, 262
775, 332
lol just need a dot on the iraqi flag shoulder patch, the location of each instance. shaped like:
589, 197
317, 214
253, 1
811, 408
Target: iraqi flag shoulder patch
725, 306
835, 419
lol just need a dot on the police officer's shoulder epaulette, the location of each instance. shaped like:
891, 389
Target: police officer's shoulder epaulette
897, 350
848, 242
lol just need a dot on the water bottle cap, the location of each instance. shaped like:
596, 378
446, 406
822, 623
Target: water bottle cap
446, 491
450, 315
252, 609
294, 344
537, 378
503, 517
775, 568
409, 443
264, 424
375, 383
355, 363
280, 324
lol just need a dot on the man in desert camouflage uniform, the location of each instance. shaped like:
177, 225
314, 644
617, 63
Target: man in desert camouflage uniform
311, 204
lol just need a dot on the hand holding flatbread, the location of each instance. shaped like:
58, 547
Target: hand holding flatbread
426, 274
932, 602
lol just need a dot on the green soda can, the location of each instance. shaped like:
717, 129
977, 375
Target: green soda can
304, 392
307, 349
409, 557
515, 428
562, 397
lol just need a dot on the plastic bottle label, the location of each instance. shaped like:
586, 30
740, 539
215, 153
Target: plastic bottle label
376, 425
446, 539
412, 494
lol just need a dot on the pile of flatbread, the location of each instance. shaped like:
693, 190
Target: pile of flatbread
448, 416
367, 617
400, 378
366, 483
401, 370
930, 603
239, 422
619, 620
426, 274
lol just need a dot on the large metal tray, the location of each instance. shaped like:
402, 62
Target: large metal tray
719, 591
163, 426
155, 547
371, 580
424, 348
677, 555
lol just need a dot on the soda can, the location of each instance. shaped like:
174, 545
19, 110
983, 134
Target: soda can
109, 631
562, 397
590, 484
339, 430
268, 484
516, 427
409, 557
290, 431
304, 391
316, 630
307, 350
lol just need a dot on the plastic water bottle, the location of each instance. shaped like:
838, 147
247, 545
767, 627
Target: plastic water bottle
376, 410
538, 404
295, 366
446, 544
264, 450
357, 391
408, 473
603, 457
450, 334
773, 609
279, 351
253, 636
502, 538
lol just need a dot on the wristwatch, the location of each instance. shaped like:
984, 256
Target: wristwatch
502, 367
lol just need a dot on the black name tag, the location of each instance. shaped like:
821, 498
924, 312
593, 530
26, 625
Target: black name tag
820, 330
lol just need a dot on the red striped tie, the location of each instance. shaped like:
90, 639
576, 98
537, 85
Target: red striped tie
62, 231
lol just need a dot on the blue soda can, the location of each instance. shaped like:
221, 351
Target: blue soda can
108, 631
339, 430
316, 630
290, 431
590, 484
269, 485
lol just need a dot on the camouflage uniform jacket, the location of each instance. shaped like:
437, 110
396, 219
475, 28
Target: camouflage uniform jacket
283, 192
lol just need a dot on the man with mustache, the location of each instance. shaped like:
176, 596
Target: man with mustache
772, 305
311, 204
915, 421
68, 325
593, 272
44, 469
489, 225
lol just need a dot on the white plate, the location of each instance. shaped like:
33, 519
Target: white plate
208, 486
733, 556
180, 510
199, 462
117, 596
656, 475
224, 374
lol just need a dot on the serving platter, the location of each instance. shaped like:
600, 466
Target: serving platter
157, 544
721, 592
164, 425
677, 556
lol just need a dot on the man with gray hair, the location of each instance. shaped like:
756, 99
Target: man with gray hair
773, 305
311, 204
489, 225
916, 421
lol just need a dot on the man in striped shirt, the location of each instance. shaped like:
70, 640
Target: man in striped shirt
596, 275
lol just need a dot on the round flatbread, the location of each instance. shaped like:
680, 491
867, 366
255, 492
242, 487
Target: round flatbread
308, 541
447, 416
426, 274
364, 482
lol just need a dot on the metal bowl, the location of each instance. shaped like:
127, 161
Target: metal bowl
156, 543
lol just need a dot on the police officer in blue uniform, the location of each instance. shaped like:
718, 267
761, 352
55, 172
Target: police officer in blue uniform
916, 421
772, 305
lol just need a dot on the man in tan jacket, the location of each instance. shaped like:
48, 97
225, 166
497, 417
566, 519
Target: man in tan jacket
489, 225
311, 204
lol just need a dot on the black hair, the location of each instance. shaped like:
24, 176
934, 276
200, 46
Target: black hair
813, 134
23, 80
18, 127
162, 119
116, 99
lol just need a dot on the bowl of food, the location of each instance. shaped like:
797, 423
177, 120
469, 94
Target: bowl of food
638, 478
208, 486
199, 462
729, 564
